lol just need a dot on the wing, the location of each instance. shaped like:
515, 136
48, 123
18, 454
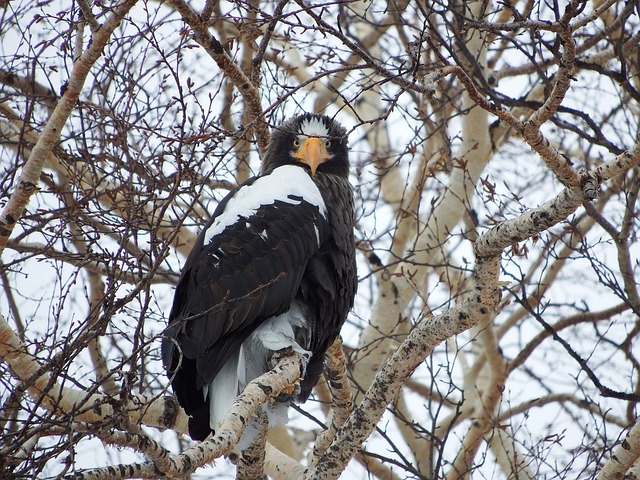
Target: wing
245, 267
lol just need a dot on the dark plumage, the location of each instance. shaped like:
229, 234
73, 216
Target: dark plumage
278, 252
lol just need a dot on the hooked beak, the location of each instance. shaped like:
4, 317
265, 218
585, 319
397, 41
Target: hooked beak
312, 152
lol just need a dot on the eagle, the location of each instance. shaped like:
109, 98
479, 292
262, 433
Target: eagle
274, 268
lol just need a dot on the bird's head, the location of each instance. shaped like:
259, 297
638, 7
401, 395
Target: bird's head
315, 141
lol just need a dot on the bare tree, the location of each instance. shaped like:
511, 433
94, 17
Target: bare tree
495, 150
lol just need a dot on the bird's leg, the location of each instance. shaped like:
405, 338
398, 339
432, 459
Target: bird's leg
251, 462
292, 389
279, 355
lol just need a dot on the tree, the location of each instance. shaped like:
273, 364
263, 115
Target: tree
495, 151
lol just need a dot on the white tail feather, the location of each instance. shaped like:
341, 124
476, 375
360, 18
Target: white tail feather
223, 390
252, 361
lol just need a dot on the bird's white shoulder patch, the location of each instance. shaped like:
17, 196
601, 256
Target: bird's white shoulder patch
314, 127
283, 182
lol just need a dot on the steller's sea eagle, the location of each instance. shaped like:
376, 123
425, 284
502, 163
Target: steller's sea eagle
273, 269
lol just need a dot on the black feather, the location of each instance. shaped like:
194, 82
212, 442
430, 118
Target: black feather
256, 267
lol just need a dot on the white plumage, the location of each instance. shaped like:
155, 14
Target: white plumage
280, 185
313, 127
251, 361
280, 242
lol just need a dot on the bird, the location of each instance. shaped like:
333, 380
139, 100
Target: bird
274, 268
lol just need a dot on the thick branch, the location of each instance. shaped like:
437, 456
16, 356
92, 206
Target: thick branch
624, 456
251, 462
412, 351
479, 306
341, 403
255, 394
280, 466
556, 209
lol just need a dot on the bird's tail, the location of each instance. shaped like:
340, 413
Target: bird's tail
287, 330
222, 391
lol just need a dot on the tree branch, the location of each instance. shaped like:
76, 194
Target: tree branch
341, 403
29, 178
426, 335
255, 394
624, 456
160, 412
234, 73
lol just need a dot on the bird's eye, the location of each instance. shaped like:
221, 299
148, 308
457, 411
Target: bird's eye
327, 143
295, 142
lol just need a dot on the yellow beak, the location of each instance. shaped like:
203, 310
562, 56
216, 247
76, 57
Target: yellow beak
312, 152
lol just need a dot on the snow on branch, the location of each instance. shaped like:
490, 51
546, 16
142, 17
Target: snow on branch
251, 462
